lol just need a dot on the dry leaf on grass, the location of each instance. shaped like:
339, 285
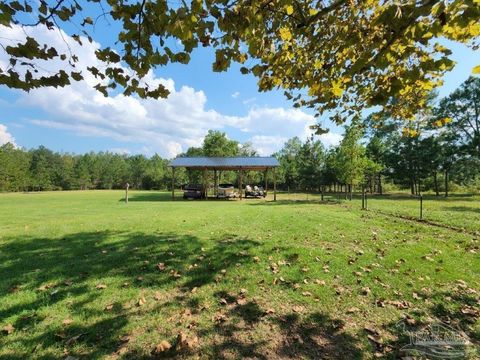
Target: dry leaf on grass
73, 339
8, 329
269, 311
162, 347
222, 301
109, 307
298, 308
365, 291
158, 296
67, 321
241, 301
185, 342
101, 286
141, 301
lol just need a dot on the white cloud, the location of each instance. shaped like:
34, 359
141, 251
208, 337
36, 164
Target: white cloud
249, 100
167, 126
236, 94
266, 145
120, 151
331, 139
5, 136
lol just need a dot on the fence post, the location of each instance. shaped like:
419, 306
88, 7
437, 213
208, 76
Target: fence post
421, 207
363, 198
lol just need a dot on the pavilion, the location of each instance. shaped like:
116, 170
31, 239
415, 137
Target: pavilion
240, 164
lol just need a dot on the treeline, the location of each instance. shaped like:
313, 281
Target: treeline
42, 169
438, 149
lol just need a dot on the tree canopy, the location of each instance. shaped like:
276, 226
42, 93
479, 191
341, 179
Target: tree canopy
334, 55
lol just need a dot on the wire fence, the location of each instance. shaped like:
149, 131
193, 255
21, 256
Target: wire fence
458, 211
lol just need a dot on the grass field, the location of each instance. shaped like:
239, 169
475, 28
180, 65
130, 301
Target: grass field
84, 275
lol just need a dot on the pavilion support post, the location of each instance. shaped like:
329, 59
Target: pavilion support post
266, 179
274, 185
205, 185
215, 182
173, 183
240, 186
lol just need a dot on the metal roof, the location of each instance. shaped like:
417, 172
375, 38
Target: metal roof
225, 163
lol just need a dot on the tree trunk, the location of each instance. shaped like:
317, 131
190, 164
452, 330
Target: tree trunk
380, 188
446, 182
435, 183
412, 185
350, 188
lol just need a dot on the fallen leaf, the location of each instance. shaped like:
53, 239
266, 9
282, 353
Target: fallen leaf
8, 329
269, 311
109, 307
241, 301
67, 321
298, 308
222, 301
162, 347
73, 339
353, 310
158, 296
186, 342
161, 266
141, 301
365, 291
101, 286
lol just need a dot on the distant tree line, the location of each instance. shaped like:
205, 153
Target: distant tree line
438, 148
42, 169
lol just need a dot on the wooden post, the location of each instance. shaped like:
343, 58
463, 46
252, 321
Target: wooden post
215, 182
173, 183
274, 185
127, 185
240, 187
266, 180
421, 207
363, 198
205, 185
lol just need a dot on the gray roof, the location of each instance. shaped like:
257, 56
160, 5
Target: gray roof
234, 163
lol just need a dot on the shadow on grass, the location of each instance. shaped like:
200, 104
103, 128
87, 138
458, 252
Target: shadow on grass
456, 311
462, 209
246, 330
150, 196
66, 270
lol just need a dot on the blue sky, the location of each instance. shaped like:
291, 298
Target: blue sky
76, 119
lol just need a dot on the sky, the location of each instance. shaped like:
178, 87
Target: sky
78, 119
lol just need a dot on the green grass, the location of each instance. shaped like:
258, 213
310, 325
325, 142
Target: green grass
291, 279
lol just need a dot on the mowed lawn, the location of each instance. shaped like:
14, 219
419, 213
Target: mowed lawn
82, 274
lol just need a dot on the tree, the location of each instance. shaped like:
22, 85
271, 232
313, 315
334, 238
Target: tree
287, 157
311, 160
216, 143
351, 160
460, 113
14, 168
325, 54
